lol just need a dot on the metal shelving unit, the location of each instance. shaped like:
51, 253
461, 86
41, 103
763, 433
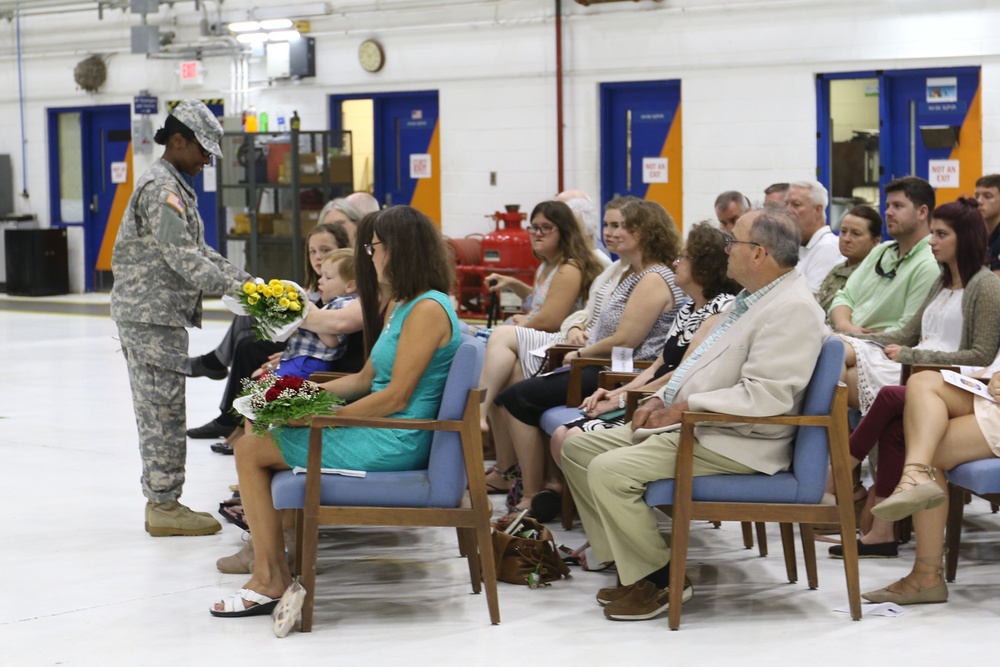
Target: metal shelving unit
269, 193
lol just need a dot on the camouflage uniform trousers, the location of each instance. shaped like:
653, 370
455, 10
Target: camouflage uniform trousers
158, 363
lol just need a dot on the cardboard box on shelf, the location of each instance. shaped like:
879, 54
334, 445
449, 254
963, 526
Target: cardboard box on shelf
311, 169
342, 170
283, 225
265, 223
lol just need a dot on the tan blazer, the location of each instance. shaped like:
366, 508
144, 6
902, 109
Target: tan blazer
759, 367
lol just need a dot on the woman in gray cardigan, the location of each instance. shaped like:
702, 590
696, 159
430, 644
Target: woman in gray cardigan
958, 323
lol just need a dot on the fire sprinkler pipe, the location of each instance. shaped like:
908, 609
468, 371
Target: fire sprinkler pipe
559, 98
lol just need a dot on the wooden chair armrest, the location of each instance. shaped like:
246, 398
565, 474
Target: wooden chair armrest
554, 356
386, 422
780, 420
632, 398
611, 379
574, 393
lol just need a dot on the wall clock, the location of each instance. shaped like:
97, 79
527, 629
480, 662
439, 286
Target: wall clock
371, 56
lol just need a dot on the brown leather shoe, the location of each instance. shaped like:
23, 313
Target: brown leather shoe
644, 601
606, 596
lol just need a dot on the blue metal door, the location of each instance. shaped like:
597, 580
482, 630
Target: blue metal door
98, 154
930, 125
641, 143
407, 164
927, 111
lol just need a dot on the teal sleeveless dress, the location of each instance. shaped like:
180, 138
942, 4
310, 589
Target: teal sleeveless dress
376, 449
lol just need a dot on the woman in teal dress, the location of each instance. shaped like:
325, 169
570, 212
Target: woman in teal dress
402, 262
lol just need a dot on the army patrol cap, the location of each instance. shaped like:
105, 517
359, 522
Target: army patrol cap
206, 127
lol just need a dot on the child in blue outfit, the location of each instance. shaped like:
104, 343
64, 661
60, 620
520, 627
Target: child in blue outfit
308, 352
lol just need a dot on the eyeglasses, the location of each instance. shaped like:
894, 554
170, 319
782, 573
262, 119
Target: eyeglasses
370, 247
541, 230
682, 258
888, 275
730, 242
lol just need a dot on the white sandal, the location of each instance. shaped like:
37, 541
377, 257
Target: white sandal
233, 607
289, 609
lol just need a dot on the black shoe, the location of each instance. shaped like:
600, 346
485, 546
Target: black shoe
222, 448
210, 431
199, 369
546, 505
878, 550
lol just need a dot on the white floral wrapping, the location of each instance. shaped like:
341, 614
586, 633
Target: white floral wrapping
285, 332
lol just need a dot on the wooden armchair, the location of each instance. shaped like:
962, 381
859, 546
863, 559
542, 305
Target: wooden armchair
785, 497
632, 398
451, 492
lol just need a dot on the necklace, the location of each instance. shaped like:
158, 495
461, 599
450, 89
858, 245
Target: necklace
388, 322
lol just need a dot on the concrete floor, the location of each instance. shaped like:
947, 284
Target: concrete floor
85, 585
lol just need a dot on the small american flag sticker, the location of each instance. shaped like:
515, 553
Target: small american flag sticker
175, 201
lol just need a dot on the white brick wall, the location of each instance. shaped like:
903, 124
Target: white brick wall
747, 70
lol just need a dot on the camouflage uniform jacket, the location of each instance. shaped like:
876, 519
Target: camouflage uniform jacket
160, 262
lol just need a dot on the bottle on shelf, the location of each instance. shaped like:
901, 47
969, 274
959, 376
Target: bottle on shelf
295, 121
282, 125
262, 121
251, 121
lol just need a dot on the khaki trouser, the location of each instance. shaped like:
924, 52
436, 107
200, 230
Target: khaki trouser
608, 476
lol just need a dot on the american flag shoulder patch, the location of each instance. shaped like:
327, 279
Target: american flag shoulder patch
175, 201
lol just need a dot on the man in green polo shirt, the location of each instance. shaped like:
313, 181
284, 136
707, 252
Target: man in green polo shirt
891, 283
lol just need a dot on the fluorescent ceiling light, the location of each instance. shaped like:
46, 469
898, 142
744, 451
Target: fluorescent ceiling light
284, 36
244, 26
252, 38
276, 24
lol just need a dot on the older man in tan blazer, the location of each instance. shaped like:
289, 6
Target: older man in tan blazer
757, 362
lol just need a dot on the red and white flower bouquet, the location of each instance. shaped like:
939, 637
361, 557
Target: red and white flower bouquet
274, 401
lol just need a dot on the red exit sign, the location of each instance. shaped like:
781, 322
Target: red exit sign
190, 70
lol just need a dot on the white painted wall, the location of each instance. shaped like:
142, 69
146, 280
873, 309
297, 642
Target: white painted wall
747, 70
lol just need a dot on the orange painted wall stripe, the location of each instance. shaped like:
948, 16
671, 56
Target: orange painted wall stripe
671, 193
427, 194
123, 192
969, 153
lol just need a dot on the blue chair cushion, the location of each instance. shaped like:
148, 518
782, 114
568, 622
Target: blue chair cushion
778, 488
981, 477
553, 418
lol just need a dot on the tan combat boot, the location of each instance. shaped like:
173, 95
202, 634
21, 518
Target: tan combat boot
172, 518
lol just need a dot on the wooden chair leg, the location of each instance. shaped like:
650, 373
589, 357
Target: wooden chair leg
809, 554
788, 547
296, 565
467, 547
568, 507
679, 533
309, 555
953, 531
761, 539
488, 570
747, 535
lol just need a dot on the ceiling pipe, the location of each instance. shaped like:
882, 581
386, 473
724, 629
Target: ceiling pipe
560, 157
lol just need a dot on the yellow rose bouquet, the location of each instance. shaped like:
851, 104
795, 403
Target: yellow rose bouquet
277, 306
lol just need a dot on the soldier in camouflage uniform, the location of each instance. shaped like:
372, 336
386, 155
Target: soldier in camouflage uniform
161, 267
